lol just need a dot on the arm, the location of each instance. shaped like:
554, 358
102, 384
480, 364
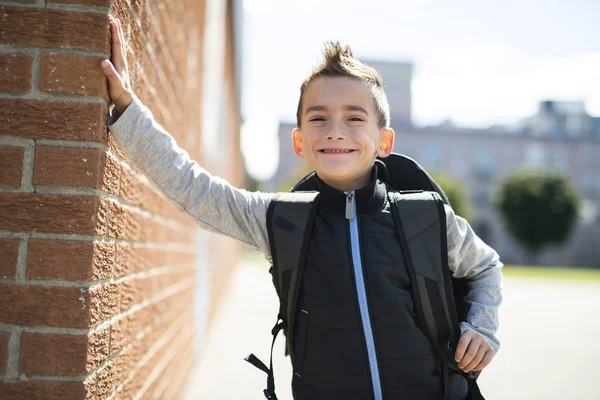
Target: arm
212, 202
469, 257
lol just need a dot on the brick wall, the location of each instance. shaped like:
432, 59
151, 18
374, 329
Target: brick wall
97, 269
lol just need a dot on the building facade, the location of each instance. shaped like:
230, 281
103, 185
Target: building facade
105, 286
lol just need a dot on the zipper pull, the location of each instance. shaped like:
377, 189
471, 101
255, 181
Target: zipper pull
350, 205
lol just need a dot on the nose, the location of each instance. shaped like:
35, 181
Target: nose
335, 133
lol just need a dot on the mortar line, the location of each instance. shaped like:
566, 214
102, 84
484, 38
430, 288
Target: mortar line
33, 50
77, 8
60, 378
36, 67
28, 167
14, 353
21, 275
6, 140
55, 97
16, 3
88, 284
171, 246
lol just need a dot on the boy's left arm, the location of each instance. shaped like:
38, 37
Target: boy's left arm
469, 257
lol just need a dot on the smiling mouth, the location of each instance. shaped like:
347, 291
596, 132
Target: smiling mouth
336, 151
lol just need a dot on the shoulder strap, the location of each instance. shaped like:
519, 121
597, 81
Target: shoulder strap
289, 223
420, 221
290, 219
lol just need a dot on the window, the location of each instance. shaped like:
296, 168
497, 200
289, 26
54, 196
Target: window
485, 161
535, 155
559, 158
433, 156
458, 163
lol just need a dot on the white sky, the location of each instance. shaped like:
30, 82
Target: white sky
477, 62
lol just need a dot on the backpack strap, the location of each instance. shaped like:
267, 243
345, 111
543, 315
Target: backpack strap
420, 221
290, 218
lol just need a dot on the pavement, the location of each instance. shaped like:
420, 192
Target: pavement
549, 333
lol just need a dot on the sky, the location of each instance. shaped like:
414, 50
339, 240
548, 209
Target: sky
477, 63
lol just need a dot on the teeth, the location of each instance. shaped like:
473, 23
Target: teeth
337, 151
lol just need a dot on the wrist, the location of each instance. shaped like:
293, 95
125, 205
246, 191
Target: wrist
122, 104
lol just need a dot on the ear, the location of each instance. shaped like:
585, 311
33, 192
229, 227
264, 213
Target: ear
297, 142
387, 142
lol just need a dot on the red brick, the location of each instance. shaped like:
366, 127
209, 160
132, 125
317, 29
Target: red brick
70, 260
66, 73
48, 213
104, 303
64, 355
44, 389
53, 354
4, 338
63, 307
16, 73
84, 215
38, 119
67, 166
100, 3
47, 27
11, 165
9, 251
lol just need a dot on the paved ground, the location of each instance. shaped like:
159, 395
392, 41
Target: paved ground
550, 334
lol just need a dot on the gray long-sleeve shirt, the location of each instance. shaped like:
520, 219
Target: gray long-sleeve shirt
219, 207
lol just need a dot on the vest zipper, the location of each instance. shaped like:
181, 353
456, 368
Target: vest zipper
362, 294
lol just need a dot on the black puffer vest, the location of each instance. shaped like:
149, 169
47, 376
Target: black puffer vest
356, 328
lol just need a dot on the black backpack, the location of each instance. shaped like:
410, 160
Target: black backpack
439, 298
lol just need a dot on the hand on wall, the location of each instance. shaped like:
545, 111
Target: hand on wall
119, 85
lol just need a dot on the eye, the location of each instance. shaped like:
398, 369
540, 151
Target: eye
317, 118
356, 119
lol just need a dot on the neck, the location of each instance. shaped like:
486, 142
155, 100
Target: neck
348, 185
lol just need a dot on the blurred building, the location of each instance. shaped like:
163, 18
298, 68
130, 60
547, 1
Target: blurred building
560, 136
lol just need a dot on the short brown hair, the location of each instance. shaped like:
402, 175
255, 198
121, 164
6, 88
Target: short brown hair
339, 61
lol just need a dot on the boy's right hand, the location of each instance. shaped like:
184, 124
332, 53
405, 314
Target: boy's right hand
119, 86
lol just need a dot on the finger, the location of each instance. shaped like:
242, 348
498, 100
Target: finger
470, 353
117, 44
477, 359
118, 57
114, 79
487, 359
463, 344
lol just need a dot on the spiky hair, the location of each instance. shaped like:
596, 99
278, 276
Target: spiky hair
338, 60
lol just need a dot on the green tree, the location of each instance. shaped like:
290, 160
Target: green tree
538, 208
456, 193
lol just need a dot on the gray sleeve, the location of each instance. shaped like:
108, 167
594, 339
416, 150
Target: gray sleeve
469, 257
212, 202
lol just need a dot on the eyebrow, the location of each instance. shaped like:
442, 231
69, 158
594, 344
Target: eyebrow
349, 107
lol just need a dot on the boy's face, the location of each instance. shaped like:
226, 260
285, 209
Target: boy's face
340, 137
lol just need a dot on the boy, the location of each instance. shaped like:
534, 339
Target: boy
359, 338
